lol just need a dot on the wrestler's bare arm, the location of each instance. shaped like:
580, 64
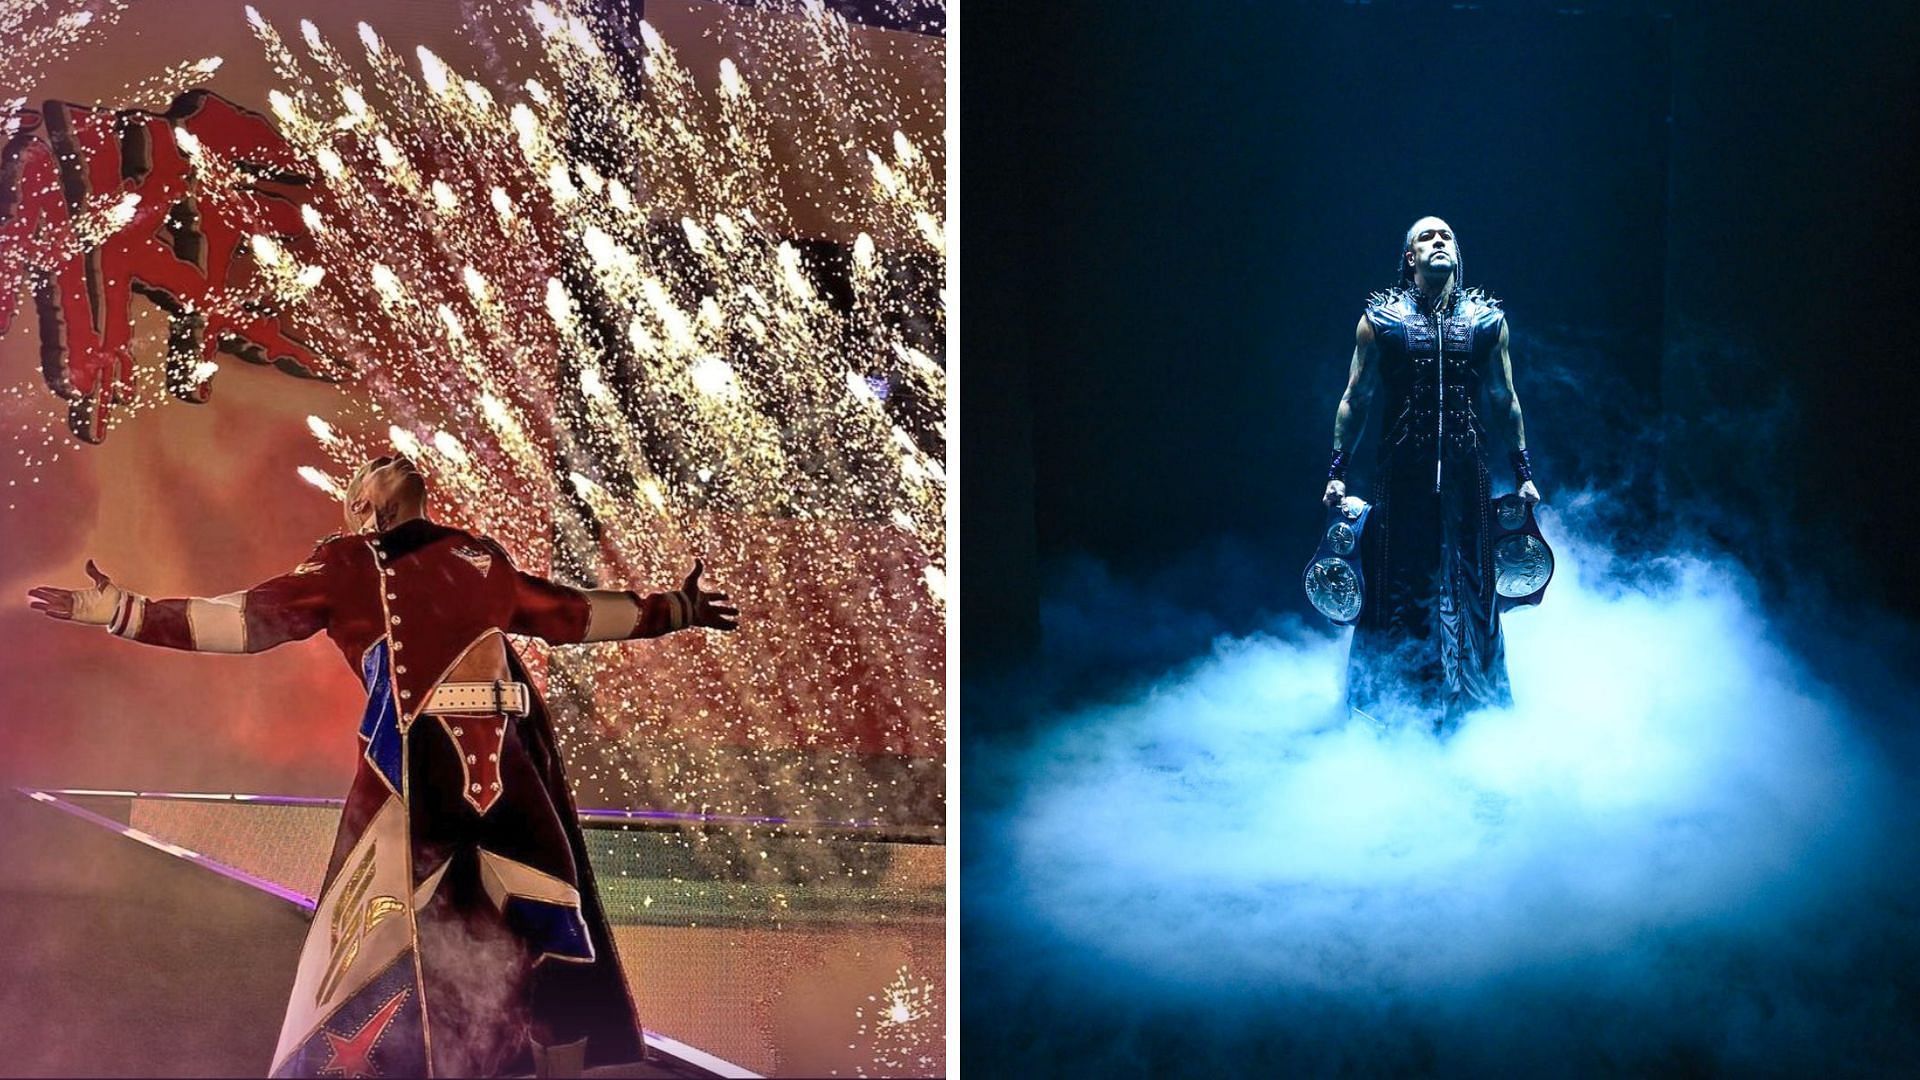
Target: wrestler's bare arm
1351, 417
1506, 403
1506, 408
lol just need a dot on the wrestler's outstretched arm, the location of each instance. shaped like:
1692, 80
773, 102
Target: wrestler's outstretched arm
286, 608
562, 615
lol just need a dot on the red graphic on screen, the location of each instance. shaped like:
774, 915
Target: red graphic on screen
69, 173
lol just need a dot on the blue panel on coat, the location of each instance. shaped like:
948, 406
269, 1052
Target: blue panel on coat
380, 727
550, 928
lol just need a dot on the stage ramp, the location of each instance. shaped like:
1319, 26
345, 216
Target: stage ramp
170, 922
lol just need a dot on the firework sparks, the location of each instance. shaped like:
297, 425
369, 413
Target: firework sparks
42, 33
897, 1020
650, 351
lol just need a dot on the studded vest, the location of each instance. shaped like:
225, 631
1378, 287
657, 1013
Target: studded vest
1434, 370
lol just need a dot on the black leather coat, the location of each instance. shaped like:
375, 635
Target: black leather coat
1428, 638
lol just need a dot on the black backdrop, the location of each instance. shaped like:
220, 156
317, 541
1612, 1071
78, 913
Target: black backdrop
1700, 217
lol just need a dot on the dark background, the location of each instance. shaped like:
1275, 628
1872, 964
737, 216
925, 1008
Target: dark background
1700, 218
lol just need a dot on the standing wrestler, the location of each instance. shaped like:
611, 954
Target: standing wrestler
1434, 353
458, 931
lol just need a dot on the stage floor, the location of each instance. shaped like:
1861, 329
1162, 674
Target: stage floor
172, 955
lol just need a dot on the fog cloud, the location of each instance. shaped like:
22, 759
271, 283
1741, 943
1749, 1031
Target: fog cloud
1680, 848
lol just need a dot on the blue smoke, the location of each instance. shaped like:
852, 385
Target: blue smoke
1682, 850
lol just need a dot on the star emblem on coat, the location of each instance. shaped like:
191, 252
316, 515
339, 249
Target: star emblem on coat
352, 1055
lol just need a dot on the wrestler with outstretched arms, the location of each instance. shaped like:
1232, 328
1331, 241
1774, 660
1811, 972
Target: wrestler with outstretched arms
459, 836
388, 492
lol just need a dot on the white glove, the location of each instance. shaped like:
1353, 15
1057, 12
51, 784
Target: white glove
92, 607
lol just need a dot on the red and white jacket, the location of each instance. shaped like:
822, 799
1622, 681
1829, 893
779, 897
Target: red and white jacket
430, 590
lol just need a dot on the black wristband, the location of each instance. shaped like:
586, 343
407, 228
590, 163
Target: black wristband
1337, 467
1522, 466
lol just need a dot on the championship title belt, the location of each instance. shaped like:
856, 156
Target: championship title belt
1522, 561
1333, 581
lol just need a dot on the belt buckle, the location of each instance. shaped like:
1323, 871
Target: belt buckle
499, 697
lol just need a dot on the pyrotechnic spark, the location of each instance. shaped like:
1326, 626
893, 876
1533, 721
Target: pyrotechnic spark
902, 1045
403, 440
321, 480
450, 448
